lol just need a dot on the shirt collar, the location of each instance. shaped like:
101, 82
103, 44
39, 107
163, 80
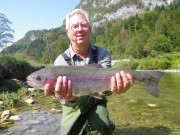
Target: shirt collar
88, 53
72, 53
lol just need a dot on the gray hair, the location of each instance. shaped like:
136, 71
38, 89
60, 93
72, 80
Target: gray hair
75, 12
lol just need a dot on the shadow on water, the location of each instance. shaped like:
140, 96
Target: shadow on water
158, 130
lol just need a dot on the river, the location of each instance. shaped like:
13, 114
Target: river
135, 112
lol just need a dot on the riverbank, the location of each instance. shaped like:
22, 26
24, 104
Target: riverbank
33, 118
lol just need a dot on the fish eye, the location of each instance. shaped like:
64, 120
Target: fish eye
38, 78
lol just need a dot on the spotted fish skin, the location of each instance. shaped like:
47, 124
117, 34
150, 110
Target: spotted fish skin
91, 79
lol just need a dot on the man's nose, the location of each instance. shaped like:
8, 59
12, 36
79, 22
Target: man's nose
80, 28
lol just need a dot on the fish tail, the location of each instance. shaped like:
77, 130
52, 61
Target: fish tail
151, 80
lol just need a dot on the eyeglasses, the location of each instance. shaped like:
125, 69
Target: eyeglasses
77, 27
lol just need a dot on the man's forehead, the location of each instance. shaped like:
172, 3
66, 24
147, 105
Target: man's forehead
78, 17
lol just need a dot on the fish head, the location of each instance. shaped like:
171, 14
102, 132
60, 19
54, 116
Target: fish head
36, 81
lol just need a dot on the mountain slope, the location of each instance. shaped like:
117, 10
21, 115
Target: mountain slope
127, 37
106, 10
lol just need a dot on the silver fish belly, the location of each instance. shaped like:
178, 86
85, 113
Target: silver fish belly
87, 79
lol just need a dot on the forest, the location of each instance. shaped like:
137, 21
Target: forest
152, 36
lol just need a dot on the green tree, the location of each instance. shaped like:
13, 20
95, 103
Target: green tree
174, 34
50, 38
158, 43
6, 33
36, 49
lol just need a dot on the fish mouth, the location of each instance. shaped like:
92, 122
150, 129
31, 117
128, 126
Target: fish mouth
30, 83
35, 85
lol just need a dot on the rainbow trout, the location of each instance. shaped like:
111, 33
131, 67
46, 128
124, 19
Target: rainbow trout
87, 80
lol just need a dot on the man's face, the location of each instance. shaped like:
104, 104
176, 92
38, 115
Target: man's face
79, 30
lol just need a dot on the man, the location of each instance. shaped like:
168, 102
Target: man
86, 114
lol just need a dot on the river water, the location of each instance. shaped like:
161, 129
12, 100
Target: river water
39, 123
135, 112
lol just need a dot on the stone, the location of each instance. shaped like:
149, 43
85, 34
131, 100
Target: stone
30, 101
32, 89
54, 111
5, 113
15, 118
5, 118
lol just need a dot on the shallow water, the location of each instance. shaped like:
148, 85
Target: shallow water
39, 123
135, 113
41, 118
139, 113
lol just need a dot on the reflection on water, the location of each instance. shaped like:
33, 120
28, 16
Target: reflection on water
134, 113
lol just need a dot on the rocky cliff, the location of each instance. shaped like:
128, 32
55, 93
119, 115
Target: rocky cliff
104, 10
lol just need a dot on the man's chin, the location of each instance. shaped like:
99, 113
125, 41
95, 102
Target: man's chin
80, 41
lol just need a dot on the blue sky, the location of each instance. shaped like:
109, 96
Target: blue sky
29, 15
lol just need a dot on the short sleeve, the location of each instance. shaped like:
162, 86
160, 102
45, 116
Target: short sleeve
104, 58
60, 61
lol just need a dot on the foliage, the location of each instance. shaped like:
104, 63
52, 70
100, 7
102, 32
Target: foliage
11, 91
145, 35
36, 49
55, 47
12, 99
132, 64
158, 43
15, 68
154, 64
176, 63
174, 58
160, 62
6, 33
148, 34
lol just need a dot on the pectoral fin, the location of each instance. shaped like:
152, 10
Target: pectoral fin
96, 95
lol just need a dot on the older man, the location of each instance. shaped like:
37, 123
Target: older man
86, 114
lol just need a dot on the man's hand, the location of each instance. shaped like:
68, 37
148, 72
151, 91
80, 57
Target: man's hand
63, 87
121, 82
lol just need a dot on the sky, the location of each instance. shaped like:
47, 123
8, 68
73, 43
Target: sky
29, 15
